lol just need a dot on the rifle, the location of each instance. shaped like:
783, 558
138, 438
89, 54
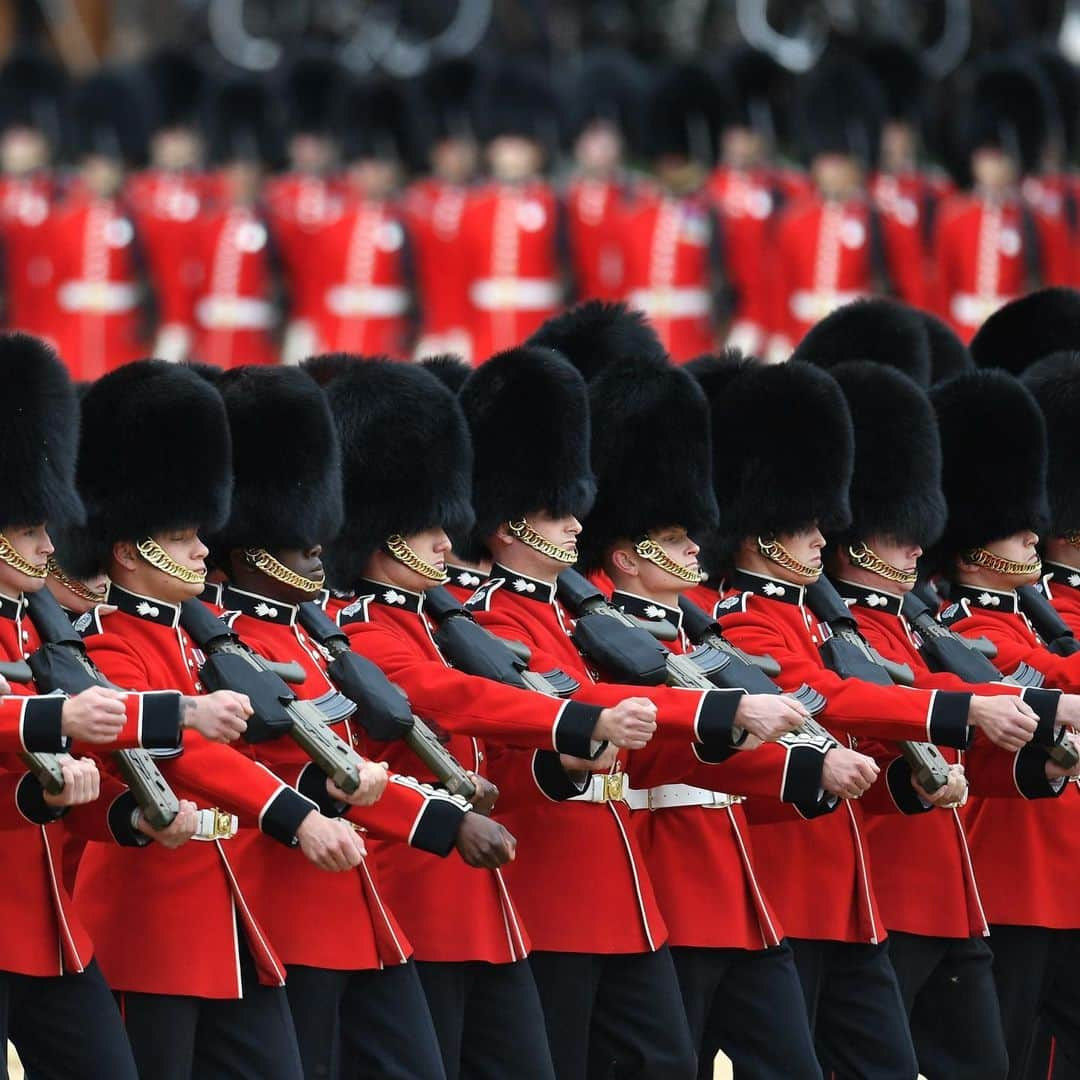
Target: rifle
45, 767
1048, 624
945, 650
384, 708
61, 663
848, 654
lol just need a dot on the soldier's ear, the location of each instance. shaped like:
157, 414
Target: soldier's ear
623, 560
501, 537
125, 554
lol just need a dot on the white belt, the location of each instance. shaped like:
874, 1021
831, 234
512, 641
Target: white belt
234, 313
106, 297
672, 303
969, 309
809, 306
376, 301
603, 787
670, 795
517, 294
216, 824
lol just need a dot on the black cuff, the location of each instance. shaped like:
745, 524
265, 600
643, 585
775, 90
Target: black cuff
949, 720
160, 727
119, 819
283, 814
30, 799
1029, 775
802, 785
42, 731
713, 753
574, 728
898, 777
716, 716
311, 783
552, 779
1044, 703
437, 829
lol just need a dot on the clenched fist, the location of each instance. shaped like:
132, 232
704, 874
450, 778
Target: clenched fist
630, 724
178, 832
330, 843
484, 843
95, 716
1006, 721
373, 778
82, 782
847, 773
768, 716
220, 716
950, 795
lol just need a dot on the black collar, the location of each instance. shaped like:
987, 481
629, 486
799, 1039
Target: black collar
1060, 574
465, 577
11, 608
768, 587
543, 592
648, 610
211, 593
145, 607
390, 596
258, 607
985, 599
874, 599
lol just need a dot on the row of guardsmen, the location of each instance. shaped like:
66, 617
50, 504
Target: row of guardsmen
205, 256
812, 868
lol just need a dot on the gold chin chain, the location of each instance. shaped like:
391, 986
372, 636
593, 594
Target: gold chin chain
649, 549
869, 559
405, 555
17, 562
528, 535
1073, 538
161, 560
773, 550
261, 559
989, 561
74, 585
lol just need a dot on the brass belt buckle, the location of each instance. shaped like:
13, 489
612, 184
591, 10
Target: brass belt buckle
223, 824
614, 787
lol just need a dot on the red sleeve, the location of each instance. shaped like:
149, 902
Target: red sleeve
1014, 648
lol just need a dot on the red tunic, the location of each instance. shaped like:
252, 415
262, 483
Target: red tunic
905, 203
26, 208
668, 271
593, 214
1050, 197
510, 251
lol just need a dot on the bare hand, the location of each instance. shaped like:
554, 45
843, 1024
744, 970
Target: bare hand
1006, 721
630, 724
373, 779
96, 715
847, 773
330, 843
82, 782
178, 832
5, 686
220, 716
484, 843
600, 764
486, 795
768, 716
951, 795
1068, 710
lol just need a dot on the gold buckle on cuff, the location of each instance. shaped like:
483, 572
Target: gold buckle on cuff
614, 787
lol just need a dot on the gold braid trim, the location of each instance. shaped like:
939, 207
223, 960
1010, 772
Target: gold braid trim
989, 561
528, 535
261, 559
17, 562
405, 555
74, 585
870, 560
161, 560
649, 549
773, 550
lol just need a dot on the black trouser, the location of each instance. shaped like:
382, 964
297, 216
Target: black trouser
488, 1020
748, 1003
952, 1006
363, 1025
614, 1015
67, 1026
191, 1038
1039, 993
855, 1008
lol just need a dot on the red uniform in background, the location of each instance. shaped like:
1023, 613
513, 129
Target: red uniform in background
593, 212
27, 204
905, 203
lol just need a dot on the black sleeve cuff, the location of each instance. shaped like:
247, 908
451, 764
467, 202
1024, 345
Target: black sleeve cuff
119, 818
1044, 703
574, 728
948, 724
311, 783
41, 724
437, 829
898, 777
159, 727
552, 779
802, 780
30, 799
715, 721
282, 815
1029, 775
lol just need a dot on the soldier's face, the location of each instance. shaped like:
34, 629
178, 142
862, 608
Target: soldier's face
742, 147
513, 158
184, 547
310, 152
454, 160
1021, 547
73, 601
598, 150
431, 545
23, 150
307, 562
899, 555
33, 544
992, 168
176, 149
655, 582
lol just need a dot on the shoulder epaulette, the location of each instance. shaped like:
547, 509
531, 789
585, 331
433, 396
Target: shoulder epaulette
355, 612
481, 599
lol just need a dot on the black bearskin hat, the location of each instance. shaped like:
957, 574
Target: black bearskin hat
884, 331
242, 123
597, 333
39, 437
759, 89
286, 463
528, 411
651, 455
683, 115
949, 356
1063, 78
328, 366
901, 74
515, 97
782, 451
154, 455
993, 443
109, 117
449, 369
842, 108
896, 487
445, 99
375, 122
178, 83
406, 460
1055, 382
610, 87
313, 86
31, 94
1026, 330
